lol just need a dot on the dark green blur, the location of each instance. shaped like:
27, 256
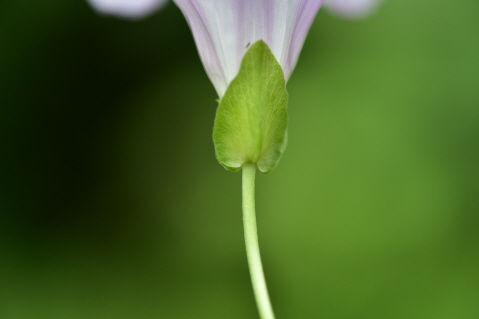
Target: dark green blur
112, 204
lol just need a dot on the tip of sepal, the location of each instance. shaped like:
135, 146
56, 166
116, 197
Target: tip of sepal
232, 168
270, 160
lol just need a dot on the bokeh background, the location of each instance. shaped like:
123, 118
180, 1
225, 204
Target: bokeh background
112, 204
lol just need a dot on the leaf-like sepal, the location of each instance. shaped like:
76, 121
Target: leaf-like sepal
251, 120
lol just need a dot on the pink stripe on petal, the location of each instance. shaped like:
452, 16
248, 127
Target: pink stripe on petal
224, 29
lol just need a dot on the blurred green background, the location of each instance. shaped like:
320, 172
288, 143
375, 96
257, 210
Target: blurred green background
112, 204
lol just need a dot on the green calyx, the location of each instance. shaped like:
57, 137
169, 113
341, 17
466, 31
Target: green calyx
251, 120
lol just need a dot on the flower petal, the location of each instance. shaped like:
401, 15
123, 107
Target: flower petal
352, 8
224, 29
133, 9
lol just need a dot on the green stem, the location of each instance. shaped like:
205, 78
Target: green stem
252, 247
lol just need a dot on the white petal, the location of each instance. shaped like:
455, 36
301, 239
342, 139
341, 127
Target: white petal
224, 29
133, 9
352, 8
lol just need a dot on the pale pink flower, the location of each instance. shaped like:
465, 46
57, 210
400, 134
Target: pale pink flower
224, 29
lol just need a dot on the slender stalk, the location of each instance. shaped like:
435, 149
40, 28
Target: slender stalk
252, 247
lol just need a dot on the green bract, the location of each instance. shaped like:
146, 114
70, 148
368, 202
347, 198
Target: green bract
251, 120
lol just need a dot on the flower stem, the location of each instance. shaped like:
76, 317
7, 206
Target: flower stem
252, 247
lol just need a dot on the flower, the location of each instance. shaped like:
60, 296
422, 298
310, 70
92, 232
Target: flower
224, 29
